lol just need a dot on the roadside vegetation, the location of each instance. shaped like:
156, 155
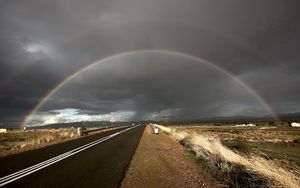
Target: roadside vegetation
243, 156
15, 141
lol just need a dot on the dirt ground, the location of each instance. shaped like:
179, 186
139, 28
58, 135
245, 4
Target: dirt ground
161, 162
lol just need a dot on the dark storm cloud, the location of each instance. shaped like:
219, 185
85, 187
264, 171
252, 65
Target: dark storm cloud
44, 42
154, 86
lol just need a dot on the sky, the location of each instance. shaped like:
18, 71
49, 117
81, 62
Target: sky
44, 42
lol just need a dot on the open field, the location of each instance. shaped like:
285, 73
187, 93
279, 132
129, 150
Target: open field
279, 144
17, 140
244, 156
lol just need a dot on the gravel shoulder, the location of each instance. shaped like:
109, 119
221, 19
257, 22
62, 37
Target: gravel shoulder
161, 162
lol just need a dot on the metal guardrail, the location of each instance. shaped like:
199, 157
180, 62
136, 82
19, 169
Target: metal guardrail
83, 131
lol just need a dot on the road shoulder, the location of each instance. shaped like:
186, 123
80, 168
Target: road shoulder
160, 162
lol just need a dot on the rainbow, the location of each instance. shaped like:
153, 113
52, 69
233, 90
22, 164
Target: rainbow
143, 51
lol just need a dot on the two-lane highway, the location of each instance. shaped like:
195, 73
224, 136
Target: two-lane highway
99, 160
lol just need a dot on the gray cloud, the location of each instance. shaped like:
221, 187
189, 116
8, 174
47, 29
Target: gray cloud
151, 84
44, 42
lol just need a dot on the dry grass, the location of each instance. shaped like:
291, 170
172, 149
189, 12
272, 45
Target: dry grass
213, 151
251, 134
279, 144
15, 141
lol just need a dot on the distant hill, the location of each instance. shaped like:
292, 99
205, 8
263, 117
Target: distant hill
233, 119
80, 124
241, 119
290, 116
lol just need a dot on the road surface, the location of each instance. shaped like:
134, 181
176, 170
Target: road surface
98, 160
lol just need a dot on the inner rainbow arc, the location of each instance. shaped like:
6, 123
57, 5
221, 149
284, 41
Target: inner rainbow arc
159, 51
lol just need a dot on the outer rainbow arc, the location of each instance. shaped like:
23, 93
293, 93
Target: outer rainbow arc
161, 51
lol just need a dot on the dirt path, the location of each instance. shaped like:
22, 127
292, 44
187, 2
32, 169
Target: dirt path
160, 162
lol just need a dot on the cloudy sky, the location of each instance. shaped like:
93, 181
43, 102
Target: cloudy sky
44, 42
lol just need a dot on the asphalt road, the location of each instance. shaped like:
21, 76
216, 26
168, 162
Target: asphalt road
100, 165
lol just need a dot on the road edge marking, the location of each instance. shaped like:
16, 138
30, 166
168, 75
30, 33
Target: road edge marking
29, 170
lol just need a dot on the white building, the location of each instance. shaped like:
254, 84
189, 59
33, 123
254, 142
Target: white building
246, 125
294, 124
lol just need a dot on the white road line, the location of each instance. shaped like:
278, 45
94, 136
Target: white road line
48, 161
17, 175
45, 162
